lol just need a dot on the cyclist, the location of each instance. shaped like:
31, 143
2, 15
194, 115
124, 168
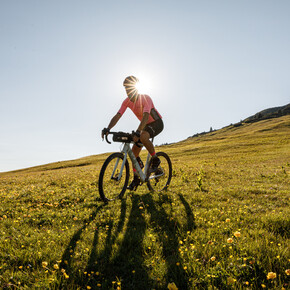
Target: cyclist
151, 124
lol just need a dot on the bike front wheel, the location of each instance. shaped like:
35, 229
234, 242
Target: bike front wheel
113, 179
160, 179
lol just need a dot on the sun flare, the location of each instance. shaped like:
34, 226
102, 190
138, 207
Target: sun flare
144, 85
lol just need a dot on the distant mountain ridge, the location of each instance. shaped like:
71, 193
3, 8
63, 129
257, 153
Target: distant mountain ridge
269, 114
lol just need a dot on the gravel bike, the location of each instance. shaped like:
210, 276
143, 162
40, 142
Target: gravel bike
114, 174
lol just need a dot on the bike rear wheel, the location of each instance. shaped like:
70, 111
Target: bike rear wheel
112, 184
160, 179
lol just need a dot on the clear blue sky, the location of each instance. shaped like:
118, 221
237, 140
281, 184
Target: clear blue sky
62, 64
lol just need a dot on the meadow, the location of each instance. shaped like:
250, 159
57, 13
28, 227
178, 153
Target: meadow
224, 222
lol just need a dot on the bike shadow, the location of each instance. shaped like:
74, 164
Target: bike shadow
122, 254
126, 263
66, 260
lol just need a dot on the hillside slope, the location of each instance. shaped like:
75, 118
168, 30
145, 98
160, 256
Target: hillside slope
222, 224
276, 127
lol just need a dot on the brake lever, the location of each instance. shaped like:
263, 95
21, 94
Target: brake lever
106, 136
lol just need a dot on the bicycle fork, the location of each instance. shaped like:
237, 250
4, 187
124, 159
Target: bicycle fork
121, 170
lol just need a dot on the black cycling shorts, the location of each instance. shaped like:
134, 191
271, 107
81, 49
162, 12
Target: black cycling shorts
154, 128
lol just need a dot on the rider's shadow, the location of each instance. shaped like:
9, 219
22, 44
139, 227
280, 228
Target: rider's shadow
167, 230
123, 253
127, 263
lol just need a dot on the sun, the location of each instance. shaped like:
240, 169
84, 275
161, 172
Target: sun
144, 86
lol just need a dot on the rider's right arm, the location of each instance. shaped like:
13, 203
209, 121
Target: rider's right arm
114, 121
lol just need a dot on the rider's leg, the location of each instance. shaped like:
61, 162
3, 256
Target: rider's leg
136, 150
136, 180
145, 139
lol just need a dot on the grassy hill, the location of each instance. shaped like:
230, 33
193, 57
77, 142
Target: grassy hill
223, 224
269, 114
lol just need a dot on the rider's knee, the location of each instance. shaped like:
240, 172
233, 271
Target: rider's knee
144, 136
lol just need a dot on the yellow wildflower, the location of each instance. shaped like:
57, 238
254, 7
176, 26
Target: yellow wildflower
287, 272
228, 220
212, 258
172, 286
271, 275
55, 266
44, 264
230, 240
237, 234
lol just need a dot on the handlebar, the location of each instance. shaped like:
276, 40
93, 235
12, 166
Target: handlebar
120, 137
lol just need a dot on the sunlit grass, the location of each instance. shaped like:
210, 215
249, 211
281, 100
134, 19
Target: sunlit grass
224, 222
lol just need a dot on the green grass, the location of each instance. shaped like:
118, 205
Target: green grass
224, 222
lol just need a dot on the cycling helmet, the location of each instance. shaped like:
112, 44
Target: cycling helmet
129, 84
130, 81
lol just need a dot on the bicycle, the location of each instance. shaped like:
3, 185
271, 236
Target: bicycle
113, 181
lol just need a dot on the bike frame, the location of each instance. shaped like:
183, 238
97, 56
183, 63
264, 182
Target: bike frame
128, 151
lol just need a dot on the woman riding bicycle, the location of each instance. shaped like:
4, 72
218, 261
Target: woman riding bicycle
151, 124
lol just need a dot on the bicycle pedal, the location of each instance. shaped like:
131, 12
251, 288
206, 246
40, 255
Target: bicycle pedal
134, 185
132, 188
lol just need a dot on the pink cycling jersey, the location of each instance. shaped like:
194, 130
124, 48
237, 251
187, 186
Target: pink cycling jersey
142, 105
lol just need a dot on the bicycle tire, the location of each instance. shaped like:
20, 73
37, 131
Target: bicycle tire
110, 188
162, 182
